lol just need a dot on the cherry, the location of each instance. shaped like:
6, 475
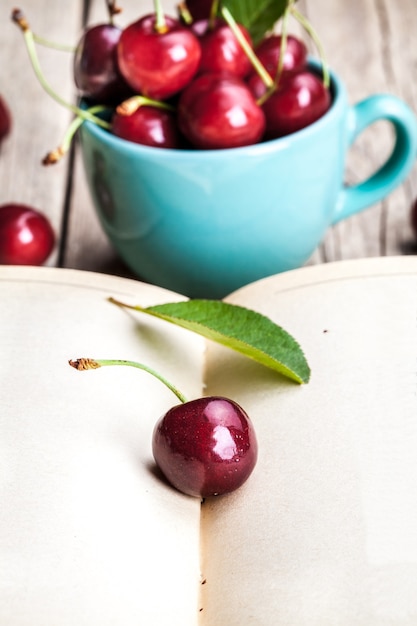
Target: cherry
299, 100
26, 236
5, 119
147, 125
205, 447
158, 62
269, 52
96, 73
219, 111
221, 51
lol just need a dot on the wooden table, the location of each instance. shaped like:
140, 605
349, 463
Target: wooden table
369, 43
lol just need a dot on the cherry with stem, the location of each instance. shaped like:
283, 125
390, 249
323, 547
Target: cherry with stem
204, 447
158, 55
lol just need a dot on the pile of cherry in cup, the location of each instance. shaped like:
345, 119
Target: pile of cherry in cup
194, 81
197, 81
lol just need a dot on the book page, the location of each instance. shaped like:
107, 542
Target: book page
324, 533
90, 535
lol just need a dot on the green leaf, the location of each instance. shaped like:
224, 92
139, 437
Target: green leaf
258, 16
239, 328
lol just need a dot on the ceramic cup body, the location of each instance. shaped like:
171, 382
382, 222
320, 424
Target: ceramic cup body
204, 223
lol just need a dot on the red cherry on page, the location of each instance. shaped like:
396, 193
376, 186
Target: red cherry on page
5, 119
149, 126
299, 100
26, 236
205, 447
221, 51
218, 111
96, 73
158, 64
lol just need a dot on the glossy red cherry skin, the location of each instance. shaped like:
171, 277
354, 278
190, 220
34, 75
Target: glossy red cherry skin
205, 447
149, 126
5, 119
300, 100
96, 73
218, 111
26, 236
158, 65
269, 52
221, 51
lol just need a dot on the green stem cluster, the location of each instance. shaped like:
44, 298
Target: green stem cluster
23, 24
308, 27
257, 65
270, 83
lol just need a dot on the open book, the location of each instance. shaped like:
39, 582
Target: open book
323, 533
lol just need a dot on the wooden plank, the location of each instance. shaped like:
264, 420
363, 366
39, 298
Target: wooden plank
38, 122
401, 21
364, 42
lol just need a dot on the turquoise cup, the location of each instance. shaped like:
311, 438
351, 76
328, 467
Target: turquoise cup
204, 223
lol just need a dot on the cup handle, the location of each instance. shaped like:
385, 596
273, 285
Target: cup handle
355, 198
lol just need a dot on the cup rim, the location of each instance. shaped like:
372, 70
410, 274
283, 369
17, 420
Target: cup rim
123, 145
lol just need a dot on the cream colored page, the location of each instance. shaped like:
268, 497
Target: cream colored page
325, 530
89, 534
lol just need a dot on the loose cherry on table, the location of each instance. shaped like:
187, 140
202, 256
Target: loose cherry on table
219, 111
26, 236
5, 119
96, 72
158, 61
204, 447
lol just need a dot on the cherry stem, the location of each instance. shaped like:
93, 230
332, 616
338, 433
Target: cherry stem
283, 47
52, 44
316, 39
20, 20
185, 13
257, 65
214, 10
160, 22
132, 104
84, 364
55, 155
112, 10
